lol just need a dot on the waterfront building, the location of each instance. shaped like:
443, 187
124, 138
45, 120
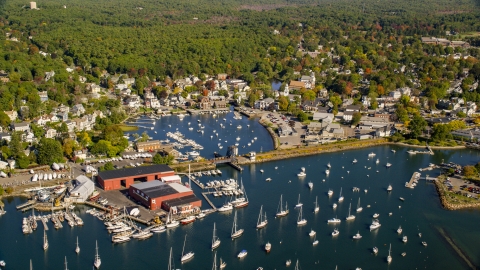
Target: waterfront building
84, 187
116, 179
156, 194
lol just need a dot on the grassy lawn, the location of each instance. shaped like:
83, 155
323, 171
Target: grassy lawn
126, 128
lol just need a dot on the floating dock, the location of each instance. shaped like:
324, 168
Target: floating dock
25, 204
412, 179
208, 201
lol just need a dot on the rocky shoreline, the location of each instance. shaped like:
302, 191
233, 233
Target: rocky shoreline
446, 204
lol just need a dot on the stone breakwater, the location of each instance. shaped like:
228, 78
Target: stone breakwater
447, 204
276, 142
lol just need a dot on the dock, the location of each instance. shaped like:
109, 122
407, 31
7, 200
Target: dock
415, 175
208, 200
25, 204
45, 225
235, 166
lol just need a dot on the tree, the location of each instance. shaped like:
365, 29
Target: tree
441, 132
69, 147
107, 167
22, 161
456, 125
144, 137
159, 159
470, 171
283, 103
15, 145
84, 139
417, 126
4, 119
461, 114
49, 151
309, 95
302, 116
356, 117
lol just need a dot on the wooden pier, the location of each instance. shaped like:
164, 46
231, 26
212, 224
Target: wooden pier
45, 226
25, 204
208, 200
415, 175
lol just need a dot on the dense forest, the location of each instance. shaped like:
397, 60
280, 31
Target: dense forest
176, 38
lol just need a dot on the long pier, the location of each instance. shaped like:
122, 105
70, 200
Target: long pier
45, 226
208, 201
25, 204
415, 175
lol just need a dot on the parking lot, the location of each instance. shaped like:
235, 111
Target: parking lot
457, 184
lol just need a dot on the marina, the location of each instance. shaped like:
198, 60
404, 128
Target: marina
282, 232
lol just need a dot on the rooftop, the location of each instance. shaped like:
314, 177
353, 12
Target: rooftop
155, 189
128, 172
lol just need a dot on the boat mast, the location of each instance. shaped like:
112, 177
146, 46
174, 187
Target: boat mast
96, 248
170, 260
234, 228
66, 268
214, 267
183, 250
189, 179
260, 216
213, 239
349, 208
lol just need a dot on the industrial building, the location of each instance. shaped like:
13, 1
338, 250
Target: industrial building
124, 178
83, 188
148, 146
168, 196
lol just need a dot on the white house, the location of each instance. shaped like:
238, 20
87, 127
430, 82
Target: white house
78, 110
264, 103
323, 117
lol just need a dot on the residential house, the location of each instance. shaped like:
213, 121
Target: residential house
129, 81
63, 108
471, 134
51, 133
5, 136
22, 127
28, 137
314, 127
71, 125
348, 116
309, 81
204, 103
309, 105
62, 116
222, 76
82, 123
78, 110
49, 75
43, 96
368, 122
333, 131
81, 154
133, 101
264, 103
323, 109
353, 108
296, 85
94, 88
12, 115
395, 95
220, 104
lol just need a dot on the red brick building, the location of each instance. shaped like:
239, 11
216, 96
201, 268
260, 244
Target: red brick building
123, 178
157, 194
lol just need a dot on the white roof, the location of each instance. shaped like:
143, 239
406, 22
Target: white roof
170, 178
180, 188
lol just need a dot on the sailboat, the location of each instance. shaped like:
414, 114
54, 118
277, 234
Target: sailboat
77, 249
301, 221
340, 199
315, 241
389, 258
170, 222
262, 219
350, 216
45, 240
359, 208
97, 262
222, 264
280, 211
215, 239
236, 233
296, 266
299, 204
244, 202
317, 208
189, 255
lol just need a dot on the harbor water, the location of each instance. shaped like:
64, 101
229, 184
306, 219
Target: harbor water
214, 138
420, 212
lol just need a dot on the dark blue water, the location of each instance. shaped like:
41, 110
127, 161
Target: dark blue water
209, 139
420, 212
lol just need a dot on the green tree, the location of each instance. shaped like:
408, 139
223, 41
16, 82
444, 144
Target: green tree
22, 161
470, 171
159, 159
49, 151
4, 119
144, 137
15, 145
69, 147
461, 114
302, 116
309, 95
107, 167
441, 132
356, 118
84, 139
283, 103
417, 126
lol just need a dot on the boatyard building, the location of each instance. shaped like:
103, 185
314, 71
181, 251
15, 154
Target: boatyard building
124, 178
83, 188
168, 196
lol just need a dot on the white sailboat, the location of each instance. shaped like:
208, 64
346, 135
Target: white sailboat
262, 219
299, 204
236, 232
280, 211
189, 255
389, 258
317, 208
359, 208
77, 249
301, 221
340, 199
315, 241
350, 216
170, 222
97, 262
215, 239
45, 240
